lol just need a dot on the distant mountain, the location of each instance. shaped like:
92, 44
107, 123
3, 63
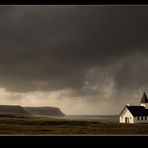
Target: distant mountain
13, 110
44, 111
17, 110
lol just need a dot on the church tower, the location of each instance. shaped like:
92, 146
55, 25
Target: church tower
144, 101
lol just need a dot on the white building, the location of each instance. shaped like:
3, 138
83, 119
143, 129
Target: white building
135, 114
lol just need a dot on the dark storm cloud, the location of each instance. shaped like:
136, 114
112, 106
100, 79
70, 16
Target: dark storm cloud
55, 47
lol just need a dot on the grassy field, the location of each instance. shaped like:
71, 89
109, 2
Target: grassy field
54, 126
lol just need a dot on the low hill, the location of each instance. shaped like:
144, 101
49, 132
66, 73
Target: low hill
44, 111
13, 110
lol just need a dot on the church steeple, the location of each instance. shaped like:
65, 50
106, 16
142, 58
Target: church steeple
144, 98
144, 101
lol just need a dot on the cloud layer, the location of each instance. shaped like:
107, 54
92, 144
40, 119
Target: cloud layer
94, 53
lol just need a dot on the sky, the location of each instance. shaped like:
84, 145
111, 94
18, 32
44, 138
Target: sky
82, 59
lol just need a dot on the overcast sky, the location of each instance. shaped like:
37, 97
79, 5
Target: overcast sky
83, 59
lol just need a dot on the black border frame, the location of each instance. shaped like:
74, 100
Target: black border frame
75, 141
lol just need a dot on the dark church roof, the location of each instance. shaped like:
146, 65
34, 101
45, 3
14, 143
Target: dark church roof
138, 110
144, 98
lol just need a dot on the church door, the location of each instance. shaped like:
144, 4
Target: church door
126, 119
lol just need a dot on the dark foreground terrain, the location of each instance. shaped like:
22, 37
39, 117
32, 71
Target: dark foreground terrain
12, 125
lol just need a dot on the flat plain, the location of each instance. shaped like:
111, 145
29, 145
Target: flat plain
13, 125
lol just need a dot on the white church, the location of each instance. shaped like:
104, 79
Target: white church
135, 114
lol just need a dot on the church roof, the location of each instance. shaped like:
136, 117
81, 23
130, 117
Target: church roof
138, 110
144, 98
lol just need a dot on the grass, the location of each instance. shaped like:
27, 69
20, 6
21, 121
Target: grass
12, 125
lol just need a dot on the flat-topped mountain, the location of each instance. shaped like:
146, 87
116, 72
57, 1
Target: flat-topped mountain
17, 110
13, 110
44, 111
